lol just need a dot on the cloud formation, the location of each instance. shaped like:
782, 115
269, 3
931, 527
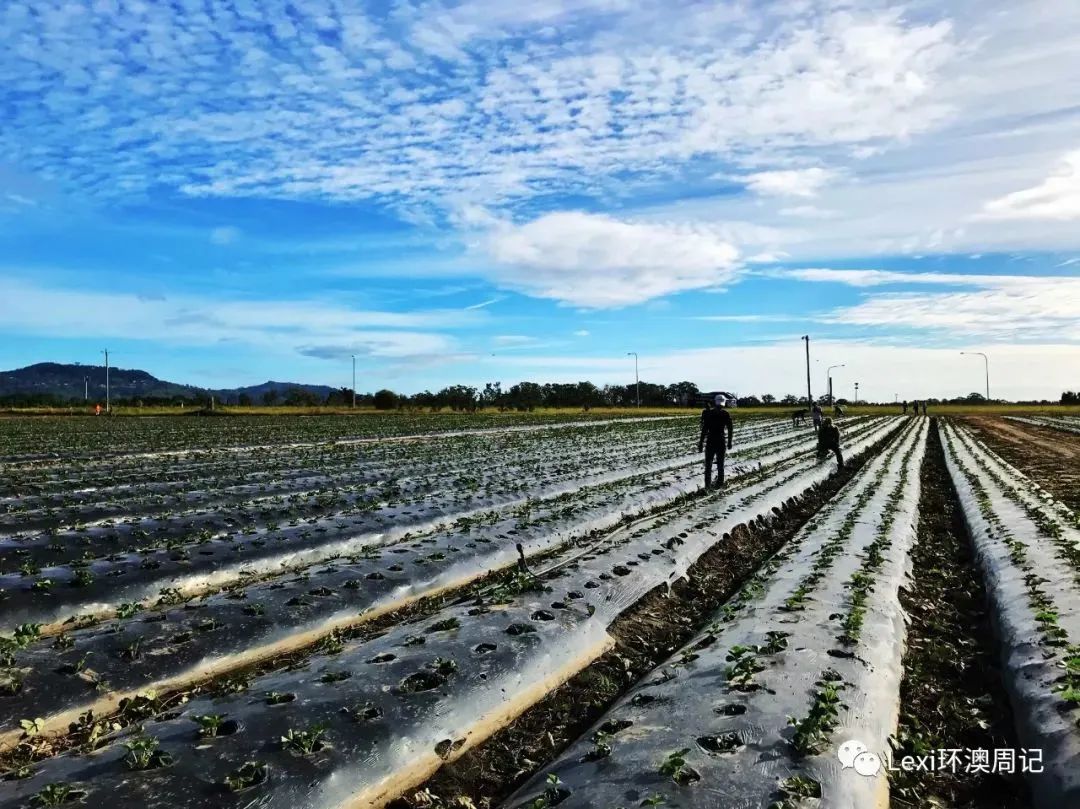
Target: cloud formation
312, 327
997, 307
1055, 198
434, 102
596, 261
789, 182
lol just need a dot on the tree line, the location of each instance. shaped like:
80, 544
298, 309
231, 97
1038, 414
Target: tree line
523, 396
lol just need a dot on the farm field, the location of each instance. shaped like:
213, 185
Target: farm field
435, 612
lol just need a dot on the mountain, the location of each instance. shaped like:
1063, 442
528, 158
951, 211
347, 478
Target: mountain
73, 381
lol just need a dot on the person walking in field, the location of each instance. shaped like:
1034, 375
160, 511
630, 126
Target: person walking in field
817, 415
924, 407
715, 422
837, 410
905, 407
829, 441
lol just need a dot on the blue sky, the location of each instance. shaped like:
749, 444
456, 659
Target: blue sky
222, 192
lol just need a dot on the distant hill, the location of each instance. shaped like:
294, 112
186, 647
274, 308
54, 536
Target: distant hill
67, 382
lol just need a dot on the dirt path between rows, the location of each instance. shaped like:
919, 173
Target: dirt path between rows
1050, 457
951, 695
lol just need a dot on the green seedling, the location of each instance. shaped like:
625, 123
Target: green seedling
128, 609
209, 724
143, 754
304, 741
676, 768
56, 795
247, 775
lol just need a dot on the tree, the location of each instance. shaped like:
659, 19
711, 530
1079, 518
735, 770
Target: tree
270, 398
790, 399
492, 395
1070, 397
386, 399
244, 400
300, 397
684, 394
525, 396
339, 397
768, 399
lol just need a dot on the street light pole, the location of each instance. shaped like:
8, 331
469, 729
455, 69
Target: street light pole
986, 361
856, 393
637, 379
86, 388
354, 380
106, 353
828, 377
809, 398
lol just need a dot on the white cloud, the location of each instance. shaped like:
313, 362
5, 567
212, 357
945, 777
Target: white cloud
596, 261
342, 104
1021, 307
483, 304
789, 182
582, 333
1056, 198
873, 278
311, 327
1017, 309
513, 339
809, 212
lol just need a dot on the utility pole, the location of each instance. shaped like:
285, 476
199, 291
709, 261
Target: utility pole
986, 361
86, 389
856, 393
828, 376
809, 398
637, 379
106, 353
354, 380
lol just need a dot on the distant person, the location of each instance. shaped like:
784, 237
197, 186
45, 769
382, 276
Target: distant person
818, 415
915, 408
924, 407
837, 410
798, 417
97, 410
905, 407
715, 422
829, 441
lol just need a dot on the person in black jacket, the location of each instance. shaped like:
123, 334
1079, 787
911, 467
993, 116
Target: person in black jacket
715, 422
829, 440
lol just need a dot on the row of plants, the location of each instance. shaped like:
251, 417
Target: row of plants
425, 706
716, 717
1036, 607
163, 641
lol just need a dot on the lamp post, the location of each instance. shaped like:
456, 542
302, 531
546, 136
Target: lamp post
856, 393
986, 362
354, 380
106, 353
828, 377
86, 388
637, 379
809, 398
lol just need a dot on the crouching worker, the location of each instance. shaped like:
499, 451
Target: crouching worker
714, 423
829, 441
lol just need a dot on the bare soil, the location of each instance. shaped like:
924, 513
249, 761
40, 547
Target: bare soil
1050, 457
